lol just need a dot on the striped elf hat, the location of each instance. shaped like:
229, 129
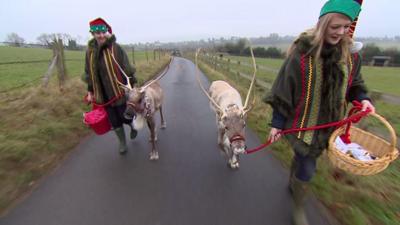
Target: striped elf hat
99, 25
349, 8
354, 23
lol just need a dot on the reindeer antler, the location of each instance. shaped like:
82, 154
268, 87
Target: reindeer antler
201, 86
156, 79
128, 84
246, 110
252, 80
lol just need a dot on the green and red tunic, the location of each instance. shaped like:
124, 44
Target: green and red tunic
309, 92
102, 73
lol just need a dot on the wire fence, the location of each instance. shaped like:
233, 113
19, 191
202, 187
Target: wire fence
149, 55
34, 61
55, 57
23, 85
33, 81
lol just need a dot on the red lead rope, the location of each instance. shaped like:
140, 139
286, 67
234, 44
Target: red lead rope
350, 119
115, 98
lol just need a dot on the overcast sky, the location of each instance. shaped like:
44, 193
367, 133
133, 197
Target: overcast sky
135, 21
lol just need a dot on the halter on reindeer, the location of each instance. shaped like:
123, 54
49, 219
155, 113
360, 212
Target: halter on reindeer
142, 104
230, 115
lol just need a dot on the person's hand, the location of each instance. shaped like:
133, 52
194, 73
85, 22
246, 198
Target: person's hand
366, 104
274, 134
89, 97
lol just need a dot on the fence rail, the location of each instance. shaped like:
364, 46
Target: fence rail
20, 85
35, 61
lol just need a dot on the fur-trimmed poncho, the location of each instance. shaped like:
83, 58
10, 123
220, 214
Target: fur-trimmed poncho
309, 92
101, 72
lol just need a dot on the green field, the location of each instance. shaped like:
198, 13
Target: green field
382, 79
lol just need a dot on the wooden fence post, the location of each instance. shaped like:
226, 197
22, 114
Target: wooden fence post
49, 71
147, 56
59, 62
62, 74
133, 55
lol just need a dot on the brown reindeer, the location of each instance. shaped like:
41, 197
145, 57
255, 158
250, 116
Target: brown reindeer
142, 104
230, 115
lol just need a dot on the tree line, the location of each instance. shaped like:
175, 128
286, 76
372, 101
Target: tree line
45, 40
233, 45
369, 50
240, 48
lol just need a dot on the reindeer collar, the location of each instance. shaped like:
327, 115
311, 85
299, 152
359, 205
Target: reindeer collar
237, 137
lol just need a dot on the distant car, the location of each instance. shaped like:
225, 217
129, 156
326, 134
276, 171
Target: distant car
176, 53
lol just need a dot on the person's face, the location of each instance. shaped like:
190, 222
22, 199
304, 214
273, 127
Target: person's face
100, 37
337, 28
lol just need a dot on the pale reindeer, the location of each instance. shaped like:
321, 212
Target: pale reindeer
142, 104
231, 116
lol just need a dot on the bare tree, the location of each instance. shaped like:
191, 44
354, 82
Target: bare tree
15, 40
46, 39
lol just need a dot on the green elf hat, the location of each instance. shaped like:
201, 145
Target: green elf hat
349, 8
99, 25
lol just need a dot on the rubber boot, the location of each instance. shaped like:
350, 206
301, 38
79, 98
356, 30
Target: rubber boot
122, 141
133, 133
293, 168
300, 189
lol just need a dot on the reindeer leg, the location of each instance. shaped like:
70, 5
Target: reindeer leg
152, 123
163, 123
221, 133
152, 128
233, 161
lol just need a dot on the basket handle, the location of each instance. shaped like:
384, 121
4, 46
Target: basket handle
391, 131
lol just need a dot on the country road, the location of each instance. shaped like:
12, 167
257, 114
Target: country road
189, 185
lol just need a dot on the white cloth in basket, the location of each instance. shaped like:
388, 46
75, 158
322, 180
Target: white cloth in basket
353, 149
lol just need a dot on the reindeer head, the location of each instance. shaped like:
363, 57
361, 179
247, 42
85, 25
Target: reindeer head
234, 123
134, 102
136, 97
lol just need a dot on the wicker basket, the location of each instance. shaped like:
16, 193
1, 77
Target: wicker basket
376, 146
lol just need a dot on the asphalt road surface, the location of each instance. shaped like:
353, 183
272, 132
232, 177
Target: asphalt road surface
189, 185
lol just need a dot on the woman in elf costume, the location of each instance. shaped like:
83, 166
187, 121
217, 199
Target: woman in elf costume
320, 75
103, 74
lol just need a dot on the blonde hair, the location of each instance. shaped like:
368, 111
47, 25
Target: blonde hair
317, 35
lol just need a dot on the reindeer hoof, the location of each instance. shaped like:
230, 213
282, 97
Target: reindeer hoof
155, 139
164, 125
154, 156
233, 166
